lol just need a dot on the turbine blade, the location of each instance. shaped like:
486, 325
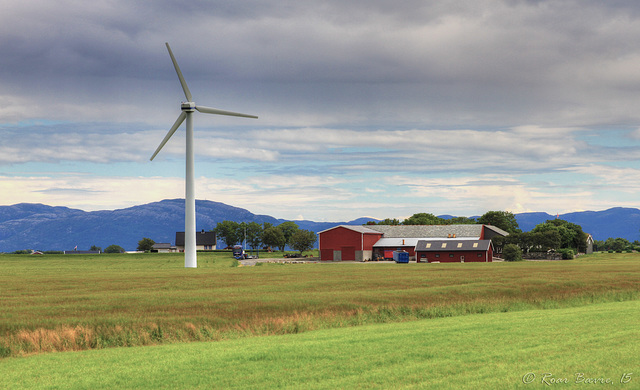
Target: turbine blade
209, 110
187, 93
175, 126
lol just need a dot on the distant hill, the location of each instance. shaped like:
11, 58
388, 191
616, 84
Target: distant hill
616, 222
37, 226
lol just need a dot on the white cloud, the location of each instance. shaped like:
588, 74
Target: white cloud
88, 192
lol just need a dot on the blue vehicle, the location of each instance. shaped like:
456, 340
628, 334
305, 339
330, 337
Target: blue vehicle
238, 252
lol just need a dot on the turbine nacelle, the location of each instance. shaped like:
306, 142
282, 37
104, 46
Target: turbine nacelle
188, 106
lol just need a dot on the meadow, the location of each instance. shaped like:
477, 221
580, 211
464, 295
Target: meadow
61, 303
57, 303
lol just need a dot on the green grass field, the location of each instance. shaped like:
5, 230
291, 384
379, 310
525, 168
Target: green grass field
72, 303
528, 349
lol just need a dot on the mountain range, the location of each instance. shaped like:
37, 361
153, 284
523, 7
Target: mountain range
38, 226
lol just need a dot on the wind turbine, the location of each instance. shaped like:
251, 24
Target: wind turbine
188, 107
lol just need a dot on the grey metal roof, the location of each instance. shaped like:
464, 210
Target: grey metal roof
162, 245
387, 242
396, 242
452, 245
496, 230
435, 231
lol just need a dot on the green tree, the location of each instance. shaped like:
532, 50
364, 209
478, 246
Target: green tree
274, 237
145, 244
620, 244
230, 232
302, 240
254, 235
424, 219
387, 221
114, 249
541, 241
461, 221
504, 220
95, 248
547, 240
512, 252
288, 229
571, 235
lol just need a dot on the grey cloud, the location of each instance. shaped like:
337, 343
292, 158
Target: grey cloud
464, 64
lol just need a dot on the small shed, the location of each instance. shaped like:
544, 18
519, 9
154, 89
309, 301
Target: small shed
385, 247
454, 251
163, 247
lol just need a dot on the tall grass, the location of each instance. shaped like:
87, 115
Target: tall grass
488, 351
67, 303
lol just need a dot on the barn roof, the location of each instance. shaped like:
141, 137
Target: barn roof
355, 228
387, 242
452, 245
434, 231
497, 230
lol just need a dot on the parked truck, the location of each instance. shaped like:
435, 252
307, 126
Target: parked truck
238, 252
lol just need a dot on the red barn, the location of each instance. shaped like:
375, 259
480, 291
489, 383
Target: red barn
370, 242
346, 242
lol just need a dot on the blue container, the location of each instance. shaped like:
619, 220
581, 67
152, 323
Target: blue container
401, 256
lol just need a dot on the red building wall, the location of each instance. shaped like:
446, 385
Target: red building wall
386, 252
345, 240
369, 240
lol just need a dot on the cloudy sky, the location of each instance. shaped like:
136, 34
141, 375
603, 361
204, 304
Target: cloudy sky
366, 107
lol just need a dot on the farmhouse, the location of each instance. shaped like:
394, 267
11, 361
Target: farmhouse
204, 241
359, 243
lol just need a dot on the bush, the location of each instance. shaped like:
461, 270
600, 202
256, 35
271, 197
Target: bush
114, 249
512, 252
146, 244
567, 254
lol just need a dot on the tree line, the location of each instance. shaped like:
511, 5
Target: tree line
504, 220
616, 245
556, 235
257, 235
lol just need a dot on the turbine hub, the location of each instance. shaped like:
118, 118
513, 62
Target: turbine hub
188, 106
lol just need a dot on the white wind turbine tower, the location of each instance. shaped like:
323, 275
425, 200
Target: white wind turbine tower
190, 258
